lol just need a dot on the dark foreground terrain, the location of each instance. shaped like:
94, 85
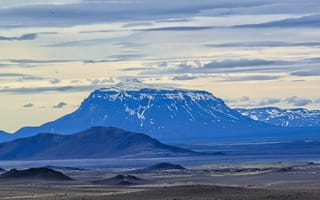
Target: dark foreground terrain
265, 181
194, 192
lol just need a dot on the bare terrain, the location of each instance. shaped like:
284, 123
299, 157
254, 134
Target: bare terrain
267, 181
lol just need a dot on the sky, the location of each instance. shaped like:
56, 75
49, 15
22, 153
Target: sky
251, 53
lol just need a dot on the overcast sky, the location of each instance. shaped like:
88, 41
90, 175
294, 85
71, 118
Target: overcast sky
251, 53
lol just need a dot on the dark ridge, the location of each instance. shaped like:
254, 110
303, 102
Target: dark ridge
93, 143
43, 173
124, 180
160, 167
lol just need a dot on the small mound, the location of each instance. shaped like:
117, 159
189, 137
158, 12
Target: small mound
163, 166
44, 174
120, 180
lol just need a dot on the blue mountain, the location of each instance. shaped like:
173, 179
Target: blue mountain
169, 115
96, 142
298, 117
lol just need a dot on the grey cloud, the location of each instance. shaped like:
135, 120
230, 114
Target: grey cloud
302, 22
251, 78
268, 101
89, 42
239, 63
54, 81
245, 98
296, 101
178, 28
28, 105
32, 61
174, 20
89, 12
184, 77
136, 24
101, 82
99, 61
99, 31
263, 44
11, 75
127, 56
60, 105
129, 44
135, 69
36, 90
306, 73
52, 89
30, 36
224, 66
29, 77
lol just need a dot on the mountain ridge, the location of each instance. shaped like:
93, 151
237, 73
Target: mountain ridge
96, 142
296, 117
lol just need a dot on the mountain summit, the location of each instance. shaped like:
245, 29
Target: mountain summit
165, 114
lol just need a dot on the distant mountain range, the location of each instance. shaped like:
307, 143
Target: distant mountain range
96, 142
169, 115
298, 117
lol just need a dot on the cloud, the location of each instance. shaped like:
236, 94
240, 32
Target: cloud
29, 78
88, 42
30, 36
245, 98
306, 73
224, 67
101, 82
302, 22
263, 44
54, 81
124, 57
174, 20
178, 28
36, 90
97, 12
11, 75
317, 101
135, 69
28, 105
52, 89
296, 101
184, 77
136, 24
251, 78
268, 101
60, 105
32, 61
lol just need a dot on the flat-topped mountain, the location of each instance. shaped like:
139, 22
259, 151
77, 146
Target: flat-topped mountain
96, 142
170, 115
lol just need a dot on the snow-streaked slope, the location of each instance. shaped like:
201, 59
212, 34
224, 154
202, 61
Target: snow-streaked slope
298, 117
166, 114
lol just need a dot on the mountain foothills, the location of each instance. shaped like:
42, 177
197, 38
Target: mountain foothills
298, 117
169, 115
96, 142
